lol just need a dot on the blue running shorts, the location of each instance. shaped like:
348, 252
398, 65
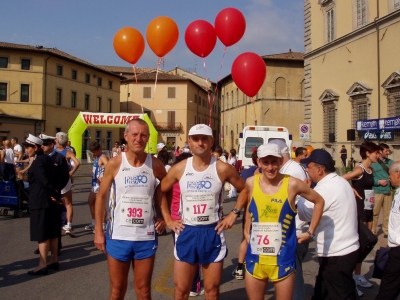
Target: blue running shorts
129, 250
200, 244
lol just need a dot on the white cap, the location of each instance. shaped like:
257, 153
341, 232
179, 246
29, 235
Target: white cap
160, 145
42, 136
269, 150
32, 140
281, 144
201, 129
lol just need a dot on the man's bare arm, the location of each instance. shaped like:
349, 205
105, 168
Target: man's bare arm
71, 156
228, 173
297, 186
159, 173
167, 184
109, 175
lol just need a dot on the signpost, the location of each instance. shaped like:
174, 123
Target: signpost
304, 131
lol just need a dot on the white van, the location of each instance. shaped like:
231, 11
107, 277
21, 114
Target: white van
254, 136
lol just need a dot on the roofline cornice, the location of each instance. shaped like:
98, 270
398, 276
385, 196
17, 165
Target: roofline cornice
346, 38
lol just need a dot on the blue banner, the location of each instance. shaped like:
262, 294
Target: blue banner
383, 135
365, 125
389, 123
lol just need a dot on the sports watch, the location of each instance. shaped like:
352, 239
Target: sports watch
311, 235
235, 211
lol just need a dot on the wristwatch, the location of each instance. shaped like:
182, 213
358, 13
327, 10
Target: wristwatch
311, 234
236, 211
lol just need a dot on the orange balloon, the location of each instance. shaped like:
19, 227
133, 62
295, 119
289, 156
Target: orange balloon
162, 35
309, 150
129, 44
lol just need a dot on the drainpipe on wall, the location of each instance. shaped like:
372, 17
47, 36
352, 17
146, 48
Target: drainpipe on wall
44, 100
378, 50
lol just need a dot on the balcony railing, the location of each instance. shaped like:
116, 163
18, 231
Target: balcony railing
168, 126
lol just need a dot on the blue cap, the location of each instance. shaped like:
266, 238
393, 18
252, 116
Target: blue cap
318, 156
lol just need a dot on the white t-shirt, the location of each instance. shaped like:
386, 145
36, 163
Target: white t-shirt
337, 232
294, 169
9, 156
17, 148
394, 222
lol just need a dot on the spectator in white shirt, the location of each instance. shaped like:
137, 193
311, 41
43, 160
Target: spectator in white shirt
337, 234
390, 283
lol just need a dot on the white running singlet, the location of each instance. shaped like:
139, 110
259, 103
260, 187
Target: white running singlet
131, 213
200, 194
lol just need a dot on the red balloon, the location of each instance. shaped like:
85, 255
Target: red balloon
248, 72
230, 26
200, 37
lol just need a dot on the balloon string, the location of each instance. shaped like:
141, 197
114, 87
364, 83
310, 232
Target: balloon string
137, 88
254, 107
158, 67
208, 90
219, 77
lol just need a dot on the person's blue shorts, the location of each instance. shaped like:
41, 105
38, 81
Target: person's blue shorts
129, 250
200, 244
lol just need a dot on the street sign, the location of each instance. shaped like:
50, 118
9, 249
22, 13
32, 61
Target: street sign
305, 131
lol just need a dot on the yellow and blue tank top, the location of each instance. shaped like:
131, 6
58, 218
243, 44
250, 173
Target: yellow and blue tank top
274, 208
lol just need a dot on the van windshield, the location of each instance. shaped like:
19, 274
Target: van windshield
250, 143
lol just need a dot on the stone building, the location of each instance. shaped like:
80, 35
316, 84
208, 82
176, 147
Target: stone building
174, 104
44, 89
352, 73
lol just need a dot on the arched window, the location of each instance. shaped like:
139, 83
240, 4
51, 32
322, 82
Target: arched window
280, 88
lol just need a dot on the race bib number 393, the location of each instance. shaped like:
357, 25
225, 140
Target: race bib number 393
135, 210
266, 238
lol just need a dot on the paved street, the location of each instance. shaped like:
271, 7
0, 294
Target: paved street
83, 270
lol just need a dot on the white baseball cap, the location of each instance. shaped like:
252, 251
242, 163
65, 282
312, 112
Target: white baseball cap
281, 144
160, 145
269, 149
201, 129
32, 140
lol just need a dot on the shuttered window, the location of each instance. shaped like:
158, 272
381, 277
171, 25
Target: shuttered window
146, 92
171, 93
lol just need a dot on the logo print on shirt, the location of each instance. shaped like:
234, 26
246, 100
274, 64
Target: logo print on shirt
276, 200
208, 176
125, 169
189, 174
269, 211
136, 180
199, 185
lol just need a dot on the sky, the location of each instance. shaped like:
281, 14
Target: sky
86, 28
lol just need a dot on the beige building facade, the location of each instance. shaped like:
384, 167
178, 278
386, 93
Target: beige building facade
352, 66
44, 89
174, 104
280, 101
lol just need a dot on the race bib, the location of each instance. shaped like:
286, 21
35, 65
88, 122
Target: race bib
369, 200
199, 208
266, 238
135, 210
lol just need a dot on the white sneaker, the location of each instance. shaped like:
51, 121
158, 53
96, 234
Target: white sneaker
194, 294
360, 294
361, 281
89, 227
238, 274
66, 227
